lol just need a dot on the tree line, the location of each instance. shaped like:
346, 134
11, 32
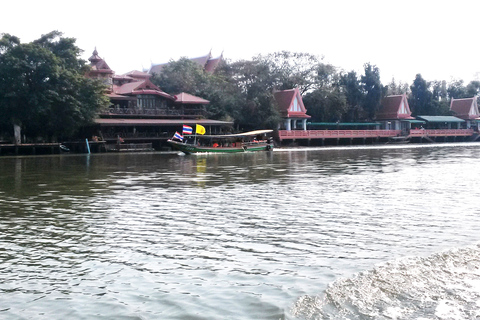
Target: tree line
43, 88
243, 90
44, 92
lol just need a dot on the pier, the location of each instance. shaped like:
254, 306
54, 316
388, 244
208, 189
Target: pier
29, 148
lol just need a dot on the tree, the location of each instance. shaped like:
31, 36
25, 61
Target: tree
327, 103
257, 106
292, 69
420, 100
373, 90
43, 89
473, 88
185, 75
354, 97
457, 90
397, 89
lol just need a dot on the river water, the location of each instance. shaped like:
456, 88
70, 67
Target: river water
386, 232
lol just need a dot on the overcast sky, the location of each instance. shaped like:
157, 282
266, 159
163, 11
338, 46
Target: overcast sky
438, 39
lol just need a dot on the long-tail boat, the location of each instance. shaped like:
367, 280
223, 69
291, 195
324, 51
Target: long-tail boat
257, 140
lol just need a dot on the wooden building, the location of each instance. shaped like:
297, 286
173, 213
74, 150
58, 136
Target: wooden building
142, 112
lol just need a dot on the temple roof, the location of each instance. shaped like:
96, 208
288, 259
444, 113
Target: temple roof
290, 104
185, 98
95, 57
98, 65
140, 87
137, 74
465, 108
394, 107
208, 63
212, 63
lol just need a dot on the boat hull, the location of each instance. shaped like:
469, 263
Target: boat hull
189, 148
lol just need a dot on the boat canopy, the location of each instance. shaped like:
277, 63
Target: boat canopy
237, 135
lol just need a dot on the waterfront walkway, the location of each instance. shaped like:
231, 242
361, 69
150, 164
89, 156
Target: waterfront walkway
364, 134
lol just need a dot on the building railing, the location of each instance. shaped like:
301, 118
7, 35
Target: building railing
129, 147
440, 132
154, 112
136, 135
336, 134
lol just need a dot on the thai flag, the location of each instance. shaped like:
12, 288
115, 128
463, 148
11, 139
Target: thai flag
178, 136
187, 130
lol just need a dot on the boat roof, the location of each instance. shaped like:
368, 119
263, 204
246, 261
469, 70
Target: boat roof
236, 135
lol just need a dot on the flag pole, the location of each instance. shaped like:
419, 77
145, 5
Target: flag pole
195, 137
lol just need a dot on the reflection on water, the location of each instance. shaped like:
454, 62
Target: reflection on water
233, 236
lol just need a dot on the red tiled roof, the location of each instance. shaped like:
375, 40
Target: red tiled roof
157, 68
213, 63
185, 98
114, 96
285, 99
207, 62
390, 108
137, 74
97, 64
95, 57
140, 87
122, 77
202, 60
462, 107
127, 88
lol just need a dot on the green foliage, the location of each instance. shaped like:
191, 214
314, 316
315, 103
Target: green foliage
373, 90
243, 90
328, 102
257, 107
289, 70
353, 92
43, 88
397, 89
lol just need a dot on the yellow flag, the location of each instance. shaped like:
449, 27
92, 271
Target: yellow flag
200, 129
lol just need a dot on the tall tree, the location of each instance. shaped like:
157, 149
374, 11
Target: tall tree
421, 98
473, 88
257, 107
327, 103
292, 69
43, 89
394, 88
456, 89
185, 75
354, 97
373, 90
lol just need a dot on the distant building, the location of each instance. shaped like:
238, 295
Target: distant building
466, 109
207, 62
292, 110
140, 111
395, 114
